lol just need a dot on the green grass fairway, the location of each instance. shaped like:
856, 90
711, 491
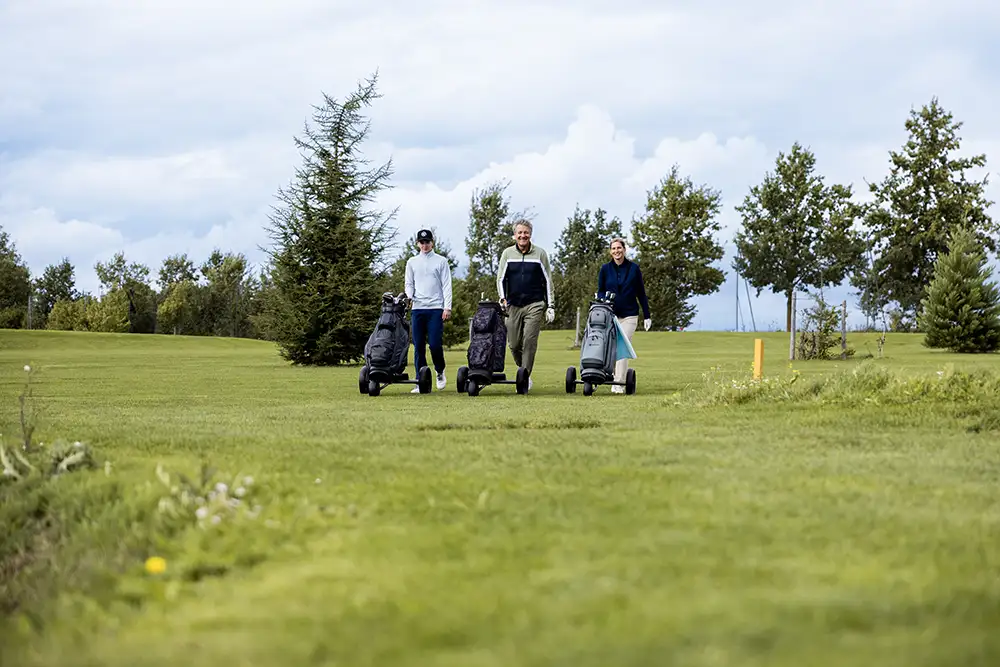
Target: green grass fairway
696, 524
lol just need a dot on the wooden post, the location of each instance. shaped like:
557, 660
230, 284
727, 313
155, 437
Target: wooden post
843, 330
576, 337
758, 358
791, 333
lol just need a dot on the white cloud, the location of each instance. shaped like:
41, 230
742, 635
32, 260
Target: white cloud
158, 128
166, 189
595, 165
42, 239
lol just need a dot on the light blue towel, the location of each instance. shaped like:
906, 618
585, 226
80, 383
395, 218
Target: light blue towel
625, 349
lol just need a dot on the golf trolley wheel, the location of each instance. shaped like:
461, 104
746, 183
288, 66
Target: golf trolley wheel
424, 380
630, 381
571, 380
588, 388
373, 388
363, 379
521, 381
463, 378
472, 387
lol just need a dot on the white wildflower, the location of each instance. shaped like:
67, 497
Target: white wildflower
318, 480
239, 492
216, 519
201, 512
248, 481
27, 369
221, 487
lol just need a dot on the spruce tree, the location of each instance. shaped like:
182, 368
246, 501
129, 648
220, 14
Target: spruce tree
328, 262
961, 311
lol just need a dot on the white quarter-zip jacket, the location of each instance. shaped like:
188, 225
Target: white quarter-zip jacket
428, 281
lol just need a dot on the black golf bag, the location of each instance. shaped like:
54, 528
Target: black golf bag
600, 344
488, 340
387, 349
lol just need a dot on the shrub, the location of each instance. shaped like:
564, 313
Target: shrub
820, 333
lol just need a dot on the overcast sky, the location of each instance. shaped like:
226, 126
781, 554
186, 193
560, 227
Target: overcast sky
155, 127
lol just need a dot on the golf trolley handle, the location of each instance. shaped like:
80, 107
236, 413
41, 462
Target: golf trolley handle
609, 297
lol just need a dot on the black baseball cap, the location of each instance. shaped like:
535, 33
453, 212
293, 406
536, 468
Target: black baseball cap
424, 235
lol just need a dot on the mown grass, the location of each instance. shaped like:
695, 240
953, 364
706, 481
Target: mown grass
843, 513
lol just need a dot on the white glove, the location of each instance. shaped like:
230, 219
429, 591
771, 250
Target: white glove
550, 315
647, 323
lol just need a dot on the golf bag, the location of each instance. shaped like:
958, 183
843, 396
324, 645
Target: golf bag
600, 343
488, 339
387, 349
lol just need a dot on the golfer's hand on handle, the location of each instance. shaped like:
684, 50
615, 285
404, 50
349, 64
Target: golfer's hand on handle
647, 323
446, 314
550, 315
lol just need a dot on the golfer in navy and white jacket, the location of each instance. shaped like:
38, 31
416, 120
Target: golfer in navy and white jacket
623, 278
428, 285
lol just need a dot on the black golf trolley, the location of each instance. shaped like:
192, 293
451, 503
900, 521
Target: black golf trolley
598, 351
487, 351
387, 350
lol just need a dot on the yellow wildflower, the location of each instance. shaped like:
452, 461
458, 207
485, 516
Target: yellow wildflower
155, 565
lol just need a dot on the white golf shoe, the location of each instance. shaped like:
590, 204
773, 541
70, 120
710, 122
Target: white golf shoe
441, 380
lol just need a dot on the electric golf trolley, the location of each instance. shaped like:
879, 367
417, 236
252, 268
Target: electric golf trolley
487, 351
387, 350
599, 351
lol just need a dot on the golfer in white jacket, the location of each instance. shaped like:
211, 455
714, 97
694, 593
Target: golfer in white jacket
428, 285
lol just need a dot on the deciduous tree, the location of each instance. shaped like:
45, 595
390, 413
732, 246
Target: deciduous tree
128, 297
15, 285
797, 231
57, 283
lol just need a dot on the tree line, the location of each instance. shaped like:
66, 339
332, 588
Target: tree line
333, 252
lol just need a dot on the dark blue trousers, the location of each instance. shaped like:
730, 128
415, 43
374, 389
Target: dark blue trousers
427, 328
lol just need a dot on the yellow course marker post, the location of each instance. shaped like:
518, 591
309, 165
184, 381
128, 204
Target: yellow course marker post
758, 358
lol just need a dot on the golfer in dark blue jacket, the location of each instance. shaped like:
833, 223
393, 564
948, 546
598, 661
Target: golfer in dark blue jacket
623, 278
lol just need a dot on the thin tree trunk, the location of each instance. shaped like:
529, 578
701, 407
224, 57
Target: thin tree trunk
788, 310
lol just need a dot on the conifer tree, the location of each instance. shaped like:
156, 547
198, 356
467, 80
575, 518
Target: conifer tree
327, 264
675, 244
961, 311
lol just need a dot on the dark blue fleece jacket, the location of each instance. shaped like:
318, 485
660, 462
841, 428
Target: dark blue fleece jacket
626, 283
